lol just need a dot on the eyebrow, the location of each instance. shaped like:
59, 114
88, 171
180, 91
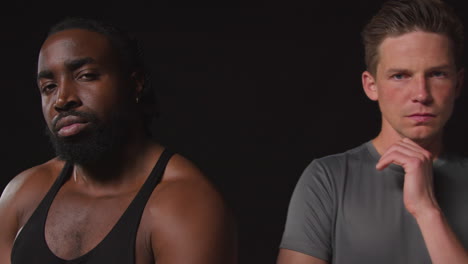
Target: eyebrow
45, 74
75, 64
71, 65
440, 67
394, 70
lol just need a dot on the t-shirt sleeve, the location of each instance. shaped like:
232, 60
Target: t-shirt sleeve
310, 218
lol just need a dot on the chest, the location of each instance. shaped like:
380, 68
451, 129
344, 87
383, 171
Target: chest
76, 223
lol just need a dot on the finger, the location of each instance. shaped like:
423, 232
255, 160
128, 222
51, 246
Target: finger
406, 149
409, 141
395, 156
414, 146
412, 151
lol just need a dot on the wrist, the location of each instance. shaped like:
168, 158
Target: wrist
428, 214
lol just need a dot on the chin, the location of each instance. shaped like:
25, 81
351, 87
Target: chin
96, 143
422, 134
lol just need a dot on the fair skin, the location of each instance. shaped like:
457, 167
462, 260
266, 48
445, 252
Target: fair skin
185, 219
416, 84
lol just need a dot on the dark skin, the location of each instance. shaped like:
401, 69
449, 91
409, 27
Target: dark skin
184, 221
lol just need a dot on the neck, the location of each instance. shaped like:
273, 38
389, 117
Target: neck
121, 167
432, 144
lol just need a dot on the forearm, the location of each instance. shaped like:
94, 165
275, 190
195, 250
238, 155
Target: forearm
441, 241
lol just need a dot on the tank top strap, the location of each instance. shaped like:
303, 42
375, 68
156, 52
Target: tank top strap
33, 230
122, 237
43, 208
62, 178
132, 215
154, 178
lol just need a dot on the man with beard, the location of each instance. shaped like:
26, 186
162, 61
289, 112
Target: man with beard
399, 198
95, 202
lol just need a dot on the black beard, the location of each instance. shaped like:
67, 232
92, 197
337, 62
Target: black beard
100, 140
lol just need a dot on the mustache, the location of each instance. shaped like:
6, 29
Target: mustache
87, 116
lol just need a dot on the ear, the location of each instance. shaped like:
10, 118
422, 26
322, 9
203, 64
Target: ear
369, 85
138, 80
460, 79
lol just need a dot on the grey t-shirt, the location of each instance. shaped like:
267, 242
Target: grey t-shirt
345, 211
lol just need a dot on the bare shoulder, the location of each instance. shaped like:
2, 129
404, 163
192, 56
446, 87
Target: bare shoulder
189, 214
180, 168
183, 184
26, 190
34, 180
20, 198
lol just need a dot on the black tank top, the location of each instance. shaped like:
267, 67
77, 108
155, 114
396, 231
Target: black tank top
117, 247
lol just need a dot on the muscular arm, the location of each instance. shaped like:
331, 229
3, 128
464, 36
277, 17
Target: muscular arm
191, 223
18, 201
287, 256
9, 226
419, 199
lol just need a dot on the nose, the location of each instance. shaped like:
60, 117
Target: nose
67, 97
421, 91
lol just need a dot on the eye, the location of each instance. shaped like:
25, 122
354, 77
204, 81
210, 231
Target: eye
438, 74
399, 76
48, 88
88, 76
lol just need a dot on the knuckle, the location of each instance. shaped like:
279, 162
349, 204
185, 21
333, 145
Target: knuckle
416, 161
428, 155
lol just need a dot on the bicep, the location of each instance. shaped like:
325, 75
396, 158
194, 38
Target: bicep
287, 256
194, 228
9, 225
18, 201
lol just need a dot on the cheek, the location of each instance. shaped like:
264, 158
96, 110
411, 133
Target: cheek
101, 101
390, 90
447, 104
392, 103
445, 96
47, 110
391, 97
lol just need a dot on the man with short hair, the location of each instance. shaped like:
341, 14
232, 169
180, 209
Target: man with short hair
112, 195
399, 198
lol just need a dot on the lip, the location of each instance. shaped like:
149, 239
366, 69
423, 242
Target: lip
422, 117
70, 125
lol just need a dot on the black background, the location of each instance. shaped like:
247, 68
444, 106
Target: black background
251, 95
